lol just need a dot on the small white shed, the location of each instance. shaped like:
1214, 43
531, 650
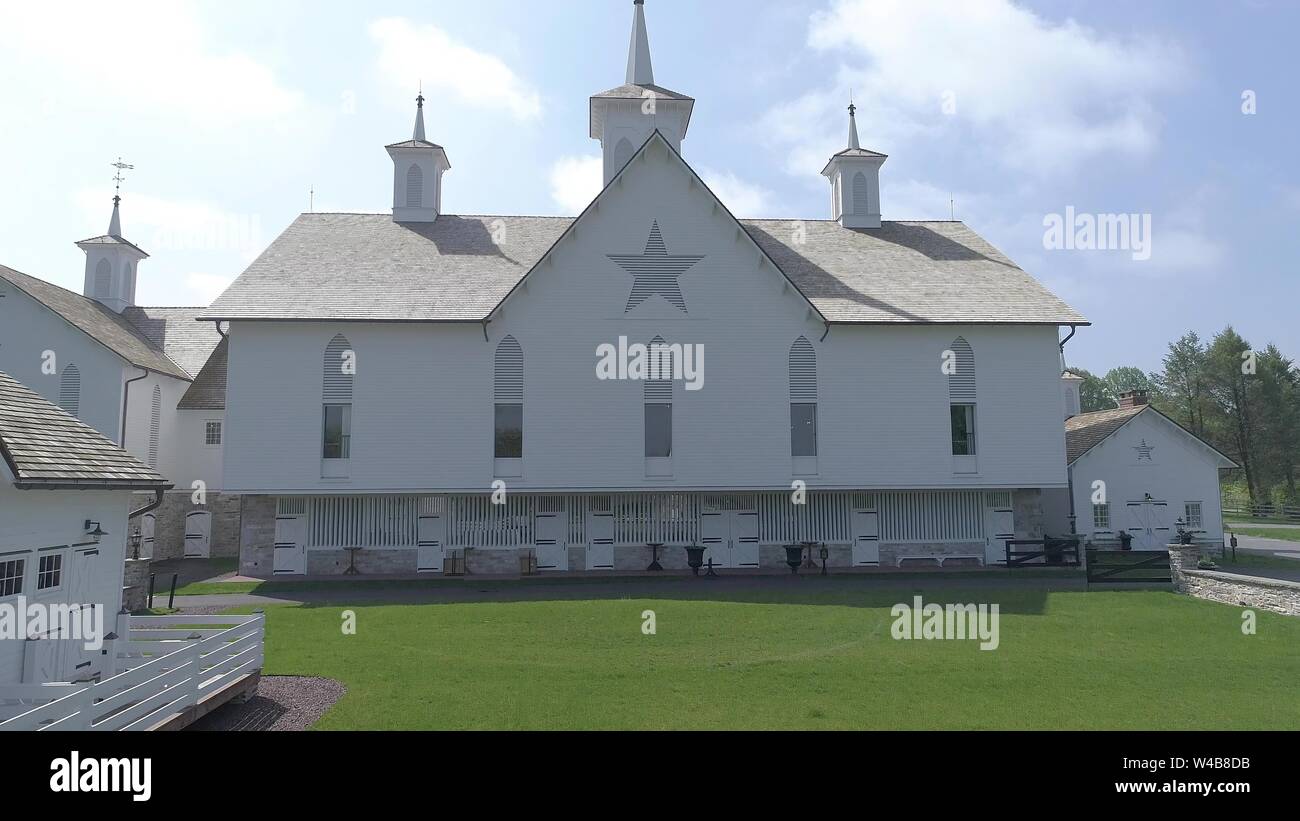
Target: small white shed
66, 493
1134, 470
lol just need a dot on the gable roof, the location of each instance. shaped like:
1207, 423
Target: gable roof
1085, 431
363, 267
109, 329
208, 391
179, 335
46, 447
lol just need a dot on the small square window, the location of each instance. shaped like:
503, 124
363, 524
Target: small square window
11, 576
49, 571
963, 430
1101, 517
1192, 515
212, 433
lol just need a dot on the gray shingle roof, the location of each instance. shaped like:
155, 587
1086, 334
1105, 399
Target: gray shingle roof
186, 341
208, 392
631, 91
1086, 431
108, 328
109, 239
45, 446
367, 267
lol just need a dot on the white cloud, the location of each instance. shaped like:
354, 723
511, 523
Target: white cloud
411, 52
1044, 97
145, 56
742, 198
575, 182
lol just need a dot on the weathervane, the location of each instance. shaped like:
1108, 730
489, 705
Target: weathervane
118, 178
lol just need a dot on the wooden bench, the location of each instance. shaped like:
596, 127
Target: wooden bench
945, 559
937, 561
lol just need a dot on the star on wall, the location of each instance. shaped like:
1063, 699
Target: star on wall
655, 271
1144, 451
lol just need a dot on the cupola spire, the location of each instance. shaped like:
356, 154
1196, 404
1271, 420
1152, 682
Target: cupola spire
853, 125
111, 260
854, 175
639, 70
419, 116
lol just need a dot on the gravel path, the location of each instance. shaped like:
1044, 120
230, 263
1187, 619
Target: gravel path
281, 703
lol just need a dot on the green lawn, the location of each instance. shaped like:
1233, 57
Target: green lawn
819, 656
1290, 534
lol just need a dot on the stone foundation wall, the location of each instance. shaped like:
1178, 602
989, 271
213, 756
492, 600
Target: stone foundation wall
169, 525
1031, 520
257, 536
495, 562
1229, 588
368, 562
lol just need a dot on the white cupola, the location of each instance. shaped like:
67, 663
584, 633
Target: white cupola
418, 166
854, 174
623, 118
111, 265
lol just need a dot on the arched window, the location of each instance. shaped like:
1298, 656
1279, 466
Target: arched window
155, 422
128, 281
70, 390
861, 198
508, 393
961, 396
414, 187
622, 154
103, 279
803, 398
658, 395
340, 368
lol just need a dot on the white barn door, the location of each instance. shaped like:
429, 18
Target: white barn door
866, 538
550, 535
148, 524
730, 538
290, 557
198, 532
999, 528
600, 541
715, 536
430, 539
1148, 523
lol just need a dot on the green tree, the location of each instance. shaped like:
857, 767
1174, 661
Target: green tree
1124, 379
1181, 387
1232, 392
1094, 395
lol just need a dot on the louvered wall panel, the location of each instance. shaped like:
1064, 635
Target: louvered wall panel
861, 200
155, 422
961, 383
931, 516
803, 371
508, 377
661, 363
415, 187
70, 390
337, 380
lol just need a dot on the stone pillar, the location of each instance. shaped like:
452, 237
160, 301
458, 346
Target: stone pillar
135, 585
1182, 557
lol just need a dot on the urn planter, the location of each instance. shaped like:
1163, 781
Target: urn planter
794, 557
695, 558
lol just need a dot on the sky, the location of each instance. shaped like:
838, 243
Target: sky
1174, 120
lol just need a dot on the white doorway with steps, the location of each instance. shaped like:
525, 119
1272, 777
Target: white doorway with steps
730, 538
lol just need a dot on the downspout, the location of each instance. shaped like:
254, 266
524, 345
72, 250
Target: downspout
154, 505
1069, 470
126, 395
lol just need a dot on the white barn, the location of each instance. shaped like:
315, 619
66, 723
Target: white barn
1135, 471
65, 494
143, 377
387, 372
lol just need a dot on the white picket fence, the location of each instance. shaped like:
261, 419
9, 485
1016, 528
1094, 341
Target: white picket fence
168, 663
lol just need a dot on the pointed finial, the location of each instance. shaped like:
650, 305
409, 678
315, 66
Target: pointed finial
853, 125
640, 72
419, 115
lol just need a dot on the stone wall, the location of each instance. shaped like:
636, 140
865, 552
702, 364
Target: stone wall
257, 536
1229, 588
135, 585
1031, 521
169, 526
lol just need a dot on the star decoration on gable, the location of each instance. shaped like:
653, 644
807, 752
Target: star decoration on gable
655, 271
1144, 451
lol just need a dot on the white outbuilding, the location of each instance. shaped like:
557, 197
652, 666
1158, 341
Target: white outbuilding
1135, 471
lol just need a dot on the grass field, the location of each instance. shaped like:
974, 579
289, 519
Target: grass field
819, 656
1290, 534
